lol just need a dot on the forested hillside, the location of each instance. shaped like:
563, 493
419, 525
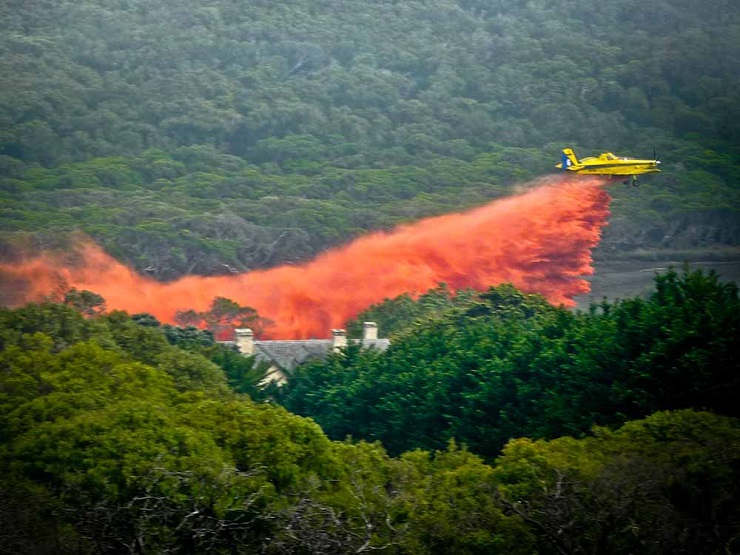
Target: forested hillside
220, 136
118, 435
190, 137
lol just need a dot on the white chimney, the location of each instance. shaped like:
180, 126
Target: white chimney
339, 339
244, 339
369, 331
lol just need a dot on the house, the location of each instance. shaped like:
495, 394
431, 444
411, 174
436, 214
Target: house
283, 356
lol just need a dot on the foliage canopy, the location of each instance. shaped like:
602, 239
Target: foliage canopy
187, 138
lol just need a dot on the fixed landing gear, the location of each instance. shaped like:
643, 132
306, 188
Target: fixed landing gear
632, 180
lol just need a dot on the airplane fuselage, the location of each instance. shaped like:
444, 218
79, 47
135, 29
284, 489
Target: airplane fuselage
607, 164
603, 165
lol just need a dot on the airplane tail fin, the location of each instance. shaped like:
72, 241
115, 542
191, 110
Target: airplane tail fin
569, 158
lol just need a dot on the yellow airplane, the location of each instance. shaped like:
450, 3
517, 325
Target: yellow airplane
609, 165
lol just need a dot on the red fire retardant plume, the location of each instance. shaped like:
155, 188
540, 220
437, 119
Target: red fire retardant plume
539, 240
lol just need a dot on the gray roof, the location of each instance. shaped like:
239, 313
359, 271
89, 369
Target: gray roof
290, 354
381, 344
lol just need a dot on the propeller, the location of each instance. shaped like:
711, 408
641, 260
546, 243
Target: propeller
655, 156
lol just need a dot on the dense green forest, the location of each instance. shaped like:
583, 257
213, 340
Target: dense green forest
189, 137
487, 367
121, 435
